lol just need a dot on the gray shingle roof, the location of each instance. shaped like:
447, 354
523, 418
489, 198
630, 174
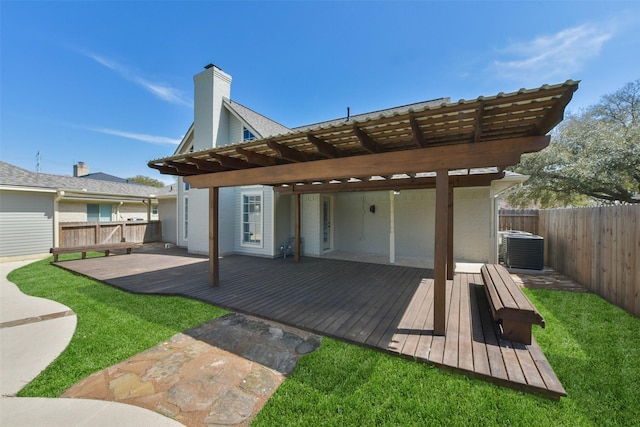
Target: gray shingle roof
261, 124
11, 175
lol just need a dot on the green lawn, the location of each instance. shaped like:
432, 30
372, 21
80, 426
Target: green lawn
593, 346
112, 325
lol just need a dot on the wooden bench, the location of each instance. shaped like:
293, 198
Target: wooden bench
509, 306
103, 247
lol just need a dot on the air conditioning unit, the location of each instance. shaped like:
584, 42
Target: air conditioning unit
522, 251
502, 247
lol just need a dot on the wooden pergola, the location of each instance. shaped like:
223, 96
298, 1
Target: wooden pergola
463, 144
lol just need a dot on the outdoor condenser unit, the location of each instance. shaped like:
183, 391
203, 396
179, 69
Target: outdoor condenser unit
522, 251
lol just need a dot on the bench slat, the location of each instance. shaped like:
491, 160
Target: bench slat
102, 247
503, 292
509, 304
522, 302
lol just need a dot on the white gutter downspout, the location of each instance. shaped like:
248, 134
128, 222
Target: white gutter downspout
56, 218
495, 220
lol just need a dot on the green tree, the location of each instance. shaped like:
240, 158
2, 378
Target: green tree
145, 180
593, 157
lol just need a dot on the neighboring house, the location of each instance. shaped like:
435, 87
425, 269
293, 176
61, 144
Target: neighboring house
257, 220
34, 205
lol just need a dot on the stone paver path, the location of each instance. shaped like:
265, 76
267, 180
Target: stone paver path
548, 279
200, 384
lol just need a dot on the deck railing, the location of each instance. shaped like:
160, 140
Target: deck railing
95, 233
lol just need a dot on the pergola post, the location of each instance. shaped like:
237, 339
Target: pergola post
214, 233
440, 252
450, 264
297, 239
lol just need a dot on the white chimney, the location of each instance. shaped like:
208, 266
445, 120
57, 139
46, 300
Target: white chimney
80, 169
211, 86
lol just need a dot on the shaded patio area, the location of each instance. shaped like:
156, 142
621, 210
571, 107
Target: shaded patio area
385, 307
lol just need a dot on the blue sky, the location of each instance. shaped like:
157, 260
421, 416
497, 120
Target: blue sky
111, 83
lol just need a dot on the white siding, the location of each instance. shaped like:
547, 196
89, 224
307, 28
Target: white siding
472, 224
26, 223
414, 224
167, 211
76, 211
224, 128
356, 229
235, 130
198, 242
182, 242
311, 226
267, 247
72, 211
360, 231
226, 220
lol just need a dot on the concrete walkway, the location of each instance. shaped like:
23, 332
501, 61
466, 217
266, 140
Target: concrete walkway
33, 332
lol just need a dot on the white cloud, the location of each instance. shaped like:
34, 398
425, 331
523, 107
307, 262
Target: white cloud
161, 90
139, 136
558, 55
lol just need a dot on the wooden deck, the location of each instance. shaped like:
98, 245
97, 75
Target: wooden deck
380, 306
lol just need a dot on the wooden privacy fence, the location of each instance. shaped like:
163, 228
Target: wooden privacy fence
74, 234
518, 219
597, 247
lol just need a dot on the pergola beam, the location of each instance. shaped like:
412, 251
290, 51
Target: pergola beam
257, 158
479, 180
206, 165
478, 123
168, 170
323, 147
184, 168
459, 156
230, 162
366, 141
418, 136
288, 153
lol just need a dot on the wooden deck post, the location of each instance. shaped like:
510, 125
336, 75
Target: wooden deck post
450, 264
297, 239
440, 252
214, 263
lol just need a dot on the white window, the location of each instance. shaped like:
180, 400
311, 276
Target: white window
98, 213
154, 210
252, 219
186, 218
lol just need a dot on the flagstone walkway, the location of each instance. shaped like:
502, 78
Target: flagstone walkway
219, 373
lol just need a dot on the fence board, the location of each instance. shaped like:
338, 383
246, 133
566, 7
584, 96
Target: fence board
519, 219
92, 233
598, 248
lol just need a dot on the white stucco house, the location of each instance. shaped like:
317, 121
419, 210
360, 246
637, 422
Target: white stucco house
34, 206
373, 225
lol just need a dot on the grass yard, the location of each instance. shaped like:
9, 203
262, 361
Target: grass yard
112, 325
593, 346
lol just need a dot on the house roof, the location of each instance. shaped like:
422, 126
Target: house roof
101, 176
483, 132
14, 176
263, 125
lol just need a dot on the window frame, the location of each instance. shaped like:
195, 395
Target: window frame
259, 221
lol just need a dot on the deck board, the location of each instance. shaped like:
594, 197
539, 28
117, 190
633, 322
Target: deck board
381, 306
